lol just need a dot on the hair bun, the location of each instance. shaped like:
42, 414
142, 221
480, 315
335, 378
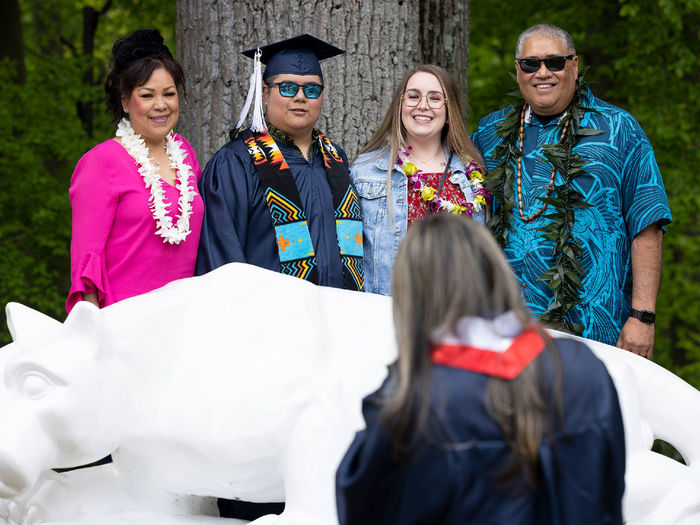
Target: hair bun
142, 43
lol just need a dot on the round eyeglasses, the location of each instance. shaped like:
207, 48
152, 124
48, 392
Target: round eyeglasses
434, 99
290, 89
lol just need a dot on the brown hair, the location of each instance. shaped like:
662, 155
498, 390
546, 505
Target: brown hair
449, 267
392, 133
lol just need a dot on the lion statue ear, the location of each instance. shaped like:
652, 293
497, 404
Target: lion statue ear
24, 322
86, 321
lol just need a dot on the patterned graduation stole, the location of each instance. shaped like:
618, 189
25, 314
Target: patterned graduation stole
296, 251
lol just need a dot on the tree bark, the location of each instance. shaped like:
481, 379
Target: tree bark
382, 39
444, 37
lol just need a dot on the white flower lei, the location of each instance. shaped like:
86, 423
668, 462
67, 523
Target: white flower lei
136, 147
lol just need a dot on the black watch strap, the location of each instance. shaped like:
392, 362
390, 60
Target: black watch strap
644, 316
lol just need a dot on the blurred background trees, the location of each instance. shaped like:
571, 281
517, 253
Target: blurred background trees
52, 68
644, 56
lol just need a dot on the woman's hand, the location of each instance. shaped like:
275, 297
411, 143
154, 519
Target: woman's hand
91, 298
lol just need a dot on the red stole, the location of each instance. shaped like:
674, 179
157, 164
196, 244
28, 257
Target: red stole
505, 365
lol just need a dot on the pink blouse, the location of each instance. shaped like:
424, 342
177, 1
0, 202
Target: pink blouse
115, 251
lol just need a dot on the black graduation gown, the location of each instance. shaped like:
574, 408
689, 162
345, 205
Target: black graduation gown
582, 468
237, 226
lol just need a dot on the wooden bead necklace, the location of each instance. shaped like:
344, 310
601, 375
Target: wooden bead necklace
520, 169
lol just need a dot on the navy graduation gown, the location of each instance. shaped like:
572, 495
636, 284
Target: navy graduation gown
451, 476
237, 226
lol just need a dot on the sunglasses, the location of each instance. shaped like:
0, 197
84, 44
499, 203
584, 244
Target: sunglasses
530, 65
290, 89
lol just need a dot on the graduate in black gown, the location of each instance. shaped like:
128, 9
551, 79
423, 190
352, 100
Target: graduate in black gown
484, 419
279, 195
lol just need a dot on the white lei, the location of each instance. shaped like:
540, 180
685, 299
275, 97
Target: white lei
135, 145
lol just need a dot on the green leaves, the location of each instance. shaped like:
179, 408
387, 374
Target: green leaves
588, 132
499, 181
43, 139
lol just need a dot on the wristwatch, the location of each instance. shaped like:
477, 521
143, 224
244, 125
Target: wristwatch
644, 316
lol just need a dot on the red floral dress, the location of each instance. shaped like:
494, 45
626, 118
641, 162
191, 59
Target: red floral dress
418, 208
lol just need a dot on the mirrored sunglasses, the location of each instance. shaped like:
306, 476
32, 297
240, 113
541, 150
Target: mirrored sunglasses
530, 65
434, 99
290, 89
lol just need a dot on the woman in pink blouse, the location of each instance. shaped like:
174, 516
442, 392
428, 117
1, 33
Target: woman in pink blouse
137, 214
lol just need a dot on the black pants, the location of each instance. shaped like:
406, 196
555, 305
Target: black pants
245, 510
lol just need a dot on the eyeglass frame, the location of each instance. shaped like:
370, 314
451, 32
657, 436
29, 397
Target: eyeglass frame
427, 101
566, 58
298, 86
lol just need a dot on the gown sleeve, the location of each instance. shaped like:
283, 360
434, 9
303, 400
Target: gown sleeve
224, 189
372, 488
94, 198
364, 464
590, 489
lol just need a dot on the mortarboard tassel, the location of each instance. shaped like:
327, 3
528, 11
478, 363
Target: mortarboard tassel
255, 97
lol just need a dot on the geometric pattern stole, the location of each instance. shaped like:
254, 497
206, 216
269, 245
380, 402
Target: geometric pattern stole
296, 251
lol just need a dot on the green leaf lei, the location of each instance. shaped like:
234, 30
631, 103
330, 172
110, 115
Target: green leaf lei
564, 277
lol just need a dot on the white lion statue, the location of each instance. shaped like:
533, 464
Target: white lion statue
245, 383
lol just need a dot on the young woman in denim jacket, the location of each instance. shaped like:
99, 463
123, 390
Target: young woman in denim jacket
420, 161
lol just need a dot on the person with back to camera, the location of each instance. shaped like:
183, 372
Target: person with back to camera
137, 214
420, 161
484, 419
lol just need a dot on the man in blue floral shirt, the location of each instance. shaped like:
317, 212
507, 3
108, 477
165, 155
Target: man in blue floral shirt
620, 231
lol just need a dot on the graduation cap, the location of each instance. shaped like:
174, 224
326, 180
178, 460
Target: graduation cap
299, 55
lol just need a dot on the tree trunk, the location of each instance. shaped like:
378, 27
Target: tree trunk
91, 18
47, 27
11, 42
382, 39
444, 37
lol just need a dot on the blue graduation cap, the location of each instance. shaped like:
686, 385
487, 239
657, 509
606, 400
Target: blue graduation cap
299, 55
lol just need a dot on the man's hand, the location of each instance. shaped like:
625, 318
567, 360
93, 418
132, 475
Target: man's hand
637, 337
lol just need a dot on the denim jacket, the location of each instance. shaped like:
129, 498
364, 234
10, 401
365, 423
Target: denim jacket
381, 240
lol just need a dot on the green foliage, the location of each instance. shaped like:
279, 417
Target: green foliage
43, 138
644, 56
500, 180
564, 278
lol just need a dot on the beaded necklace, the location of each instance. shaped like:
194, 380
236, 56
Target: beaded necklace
520, 168
564, 277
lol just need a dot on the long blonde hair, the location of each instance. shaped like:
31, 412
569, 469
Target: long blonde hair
391, 134
449, 267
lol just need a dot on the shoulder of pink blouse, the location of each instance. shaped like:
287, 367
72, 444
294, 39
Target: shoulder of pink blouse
191, 156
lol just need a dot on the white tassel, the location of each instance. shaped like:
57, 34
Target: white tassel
258, 125
254, 93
